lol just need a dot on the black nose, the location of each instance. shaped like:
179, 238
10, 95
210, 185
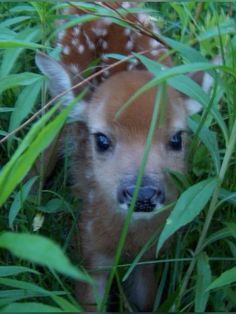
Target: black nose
147, 199
145, 193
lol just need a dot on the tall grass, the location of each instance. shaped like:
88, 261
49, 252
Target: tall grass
198, 272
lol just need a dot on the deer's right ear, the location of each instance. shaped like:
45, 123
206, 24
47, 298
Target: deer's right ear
59, 79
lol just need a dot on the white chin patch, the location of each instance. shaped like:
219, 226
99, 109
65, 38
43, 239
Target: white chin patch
124, 207
141, 215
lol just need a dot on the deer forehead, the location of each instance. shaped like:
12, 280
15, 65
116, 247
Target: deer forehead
111, 96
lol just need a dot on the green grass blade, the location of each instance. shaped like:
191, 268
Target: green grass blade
24, 104
30, 307
203, 281
209, 139
19, 199
14, 43
15, 270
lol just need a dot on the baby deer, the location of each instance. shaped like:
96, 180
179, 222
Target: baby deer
108, 149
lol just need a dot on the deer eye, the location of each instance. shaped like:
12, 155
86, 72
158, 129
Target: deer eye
103, 143
175, 143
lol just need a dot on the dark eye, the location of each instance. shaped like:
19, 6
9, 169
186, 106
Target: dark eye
175, 142
103, 143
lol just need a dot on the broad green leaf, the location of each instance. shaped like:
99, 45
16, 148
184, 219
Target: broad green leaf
188, 206
30, 307
40, 250
22, 79
19, 199
226, 278
53, 205
209, 139
24, 104
203, 281
10, 55
15, 270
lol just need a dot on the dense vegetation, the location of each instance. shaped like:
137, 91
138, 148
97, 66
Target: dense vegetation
198, 273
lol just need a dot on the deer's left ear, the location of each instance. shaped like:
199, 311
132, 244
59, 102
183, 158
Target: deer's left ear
59, 79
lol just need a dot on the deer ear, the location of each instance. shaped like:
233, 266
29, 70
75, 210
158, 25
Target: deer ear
59, 79
192, 106
206, 81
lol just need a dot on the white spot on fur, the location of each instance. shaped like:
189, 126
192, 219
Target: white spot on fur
76, 31
144, 18
99, 31
75, 42
106, 73
66, 50
59, 45
123, 206
129, 45
127, 31
154, 43
207, 82
154, 28
126, 5
90, 43
131, 66
104, 58
107, 21
74, 68
81, 49
143, 215
61, 35
104, 44
155, 52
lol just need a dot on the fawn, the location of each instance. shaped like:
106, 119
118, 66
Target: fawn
108, 150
